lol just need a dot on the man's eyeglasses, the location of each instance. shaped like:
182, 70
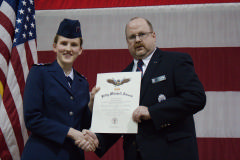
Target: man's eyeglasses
140, 35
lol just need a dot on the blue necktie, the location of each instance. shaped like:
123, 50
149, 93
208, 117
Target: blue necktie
69, 79
139, 66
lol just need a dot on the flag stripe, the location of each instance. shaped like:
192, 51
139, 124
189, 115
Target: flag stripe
3, 66
29, 59
21, 51
8, 135
2, 77
18, 69
5, 38
33, 49
16, 101
219, 148
223, 127
8, 10
221, 63
42, 4
16, 98
204, 25
209, 149
4, 49
14, 120
5, 24
2, 80
4, 152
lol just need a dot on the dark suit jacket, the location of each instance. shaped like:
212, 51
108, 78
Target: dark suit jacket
50, 109
172, 91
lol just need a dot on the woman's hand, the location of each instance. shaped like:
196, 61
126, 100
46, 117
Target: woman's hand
92, 95
85, 143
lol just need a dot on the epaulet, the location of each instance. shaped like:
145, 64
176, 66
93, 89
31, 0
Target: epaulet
41, 64
81, 75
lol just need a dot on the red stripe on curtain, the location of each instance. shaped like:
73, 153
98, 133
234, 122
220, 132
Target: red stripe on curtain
61, 4
114, 153
218, 148
209, 149
217, 68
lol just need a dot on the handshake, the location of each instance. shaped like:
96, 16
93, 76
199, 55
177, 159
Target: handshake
86, 140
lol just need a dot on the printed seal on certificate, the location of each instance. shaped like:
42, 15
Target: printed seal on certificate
118, 82
114, 121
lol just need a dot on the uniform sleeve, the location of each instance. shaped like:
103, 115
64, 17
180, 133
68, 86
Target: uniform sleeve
86, 118
33, 106
190, 95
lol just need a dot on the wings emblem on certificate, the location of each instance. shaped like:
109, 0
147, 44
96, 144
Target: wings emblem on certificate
115, 102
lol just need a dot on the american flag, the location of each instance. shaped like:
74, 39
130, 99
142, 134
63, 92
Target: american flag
17, 53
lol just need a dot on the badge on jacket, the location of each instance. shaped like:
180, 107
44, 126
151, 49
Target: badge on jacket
161, 98
159, 79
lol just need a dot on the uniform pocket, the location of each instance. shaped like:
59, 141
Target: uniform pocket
178, 136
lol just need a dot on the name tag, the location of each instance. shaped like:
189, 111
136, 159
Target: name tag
159, 79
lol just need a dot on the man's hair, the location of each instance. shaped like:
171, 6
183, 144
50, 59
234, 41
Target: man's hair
56, 40
148, 22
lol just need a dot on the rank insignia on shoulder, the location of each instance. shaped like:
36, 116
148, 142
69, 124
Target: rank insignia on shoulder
41, 64
81, 75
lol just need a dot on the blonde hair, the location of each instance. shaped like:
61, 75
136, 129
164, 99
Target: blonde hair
55, 40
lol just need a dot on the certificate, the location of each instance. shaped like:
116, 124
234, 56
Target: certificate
115, 102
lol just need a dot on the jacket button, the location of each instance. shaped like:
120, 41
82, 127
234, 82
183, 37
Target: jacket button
71, 97
70, 113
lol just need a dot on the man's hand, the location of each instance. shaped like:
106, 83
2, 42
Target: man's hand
141, 113
91, 141
80, 140
91, 136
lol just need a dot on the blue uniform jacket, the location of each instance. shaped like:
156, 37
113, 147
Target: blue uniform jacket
50, 109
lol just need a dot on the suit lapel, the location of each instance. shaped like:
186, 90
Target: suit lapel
57, 73
153, 63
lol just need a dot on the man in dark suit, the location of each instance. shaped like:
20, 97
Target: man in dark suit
170, 94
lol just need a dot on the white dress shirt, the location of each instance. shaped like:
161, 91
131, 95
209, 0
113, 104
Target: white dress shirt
145, 61
71, 75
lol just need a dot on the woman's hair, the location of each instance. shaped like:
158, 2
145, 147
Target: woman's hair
56, 40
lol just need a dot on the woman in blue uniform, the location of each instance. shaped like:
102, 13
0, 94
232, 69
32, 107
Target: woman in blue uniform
56, 101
